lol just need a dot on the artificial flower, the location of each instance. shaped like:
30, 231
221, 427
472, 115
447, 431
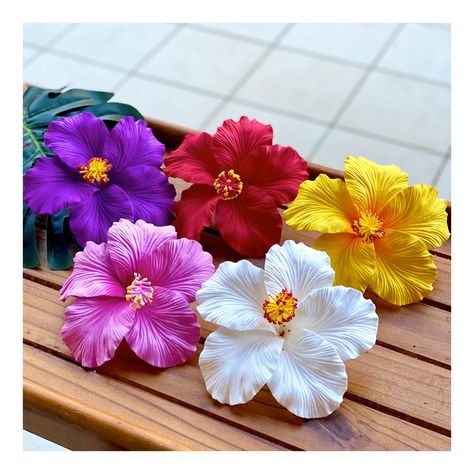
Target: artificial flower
376, 229
284, 326
102, 176
240, 178
137, 286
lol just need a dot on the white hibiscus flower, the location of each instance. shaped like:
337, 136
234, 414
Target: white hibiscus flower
284, 326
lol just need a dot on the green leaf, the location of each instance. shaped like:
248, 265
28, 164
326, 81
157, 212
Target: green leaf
40, 108
30, 251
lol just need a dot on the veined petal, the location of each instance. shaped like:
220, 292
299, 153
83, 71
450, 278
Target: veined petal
181, 266
77, 139
237, 364
297, 268
342, 316
370, 185
353, 260
417, 211
165, 332
311, 378
91, 218
404, 270
194, 210
129, 245
132, 143
236, 142
92, 275
193, 160
51, 186
276, 170
233, 297
149, 192
323, 205
250, 224
94, 327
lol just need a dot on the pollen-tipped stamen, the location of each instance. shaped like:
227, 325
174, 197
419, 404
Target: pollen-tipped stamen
368, 226
229, 184
96, 171
281, 308
139, 292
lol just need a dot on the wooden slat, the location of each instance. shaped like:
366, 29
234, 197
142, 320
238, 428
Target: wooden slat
120, 412
406, 376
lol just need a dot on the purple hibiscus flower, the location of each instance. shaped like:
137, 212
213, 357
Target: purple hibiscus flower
101, 176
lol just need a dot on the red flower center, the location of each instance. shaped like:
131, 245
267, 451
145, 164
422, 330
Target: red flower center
96, 170
229, 184
139, 292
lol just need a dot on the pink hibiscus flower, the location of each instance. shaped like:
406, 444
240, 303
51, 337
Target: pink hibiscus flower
137, 286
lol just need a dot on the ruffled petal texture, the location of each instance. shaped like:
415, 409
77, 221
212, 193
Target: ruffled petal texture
370, 185
194, 210
92, 275
165, 332
181, 266
352, 259
405, 270
50, 186
234, 296
310, 379
296, 268
77, 139
149, 193
132, 143
237, 142
194, 160
237, 364
250, 224
91, 218
131, 245
323, 205
342, 316
94, 327
417, 211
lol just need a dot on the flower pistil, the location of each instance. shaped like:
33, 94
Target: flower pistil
369, 226
229, 184
96, 170
281, 308
139, 292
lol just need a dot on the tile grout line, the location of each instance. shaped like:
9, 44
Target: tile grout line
442, 167
135, 69
352, 95
269, 49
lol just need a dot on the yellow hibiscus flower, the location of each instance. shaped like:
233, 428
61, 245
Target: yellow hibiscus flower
376, 229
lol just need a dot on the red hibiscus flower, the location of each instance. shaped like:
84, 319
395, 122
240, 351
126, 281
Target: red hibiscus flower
241, 178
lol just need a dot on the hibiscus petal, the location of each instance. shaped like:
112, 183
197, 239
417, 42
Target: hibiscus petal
297, 268
92, 275
237, 364
233, 297
180, 265
236, 142
404, 271
131, 245
194, 160
417, 211
276, 170
250, 224
51, 186
370, 185
77, 139
149, 192
91, 218
194, 210
94, 327
311, 378
342, 316
165, 332
323, 205
353, 260
132, 143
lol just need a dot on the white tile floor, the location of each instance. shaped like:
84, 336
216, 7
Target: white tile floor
379, 90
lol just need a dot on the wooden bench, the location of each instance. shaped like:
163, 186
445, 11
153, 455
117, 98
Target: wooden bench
398, 396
